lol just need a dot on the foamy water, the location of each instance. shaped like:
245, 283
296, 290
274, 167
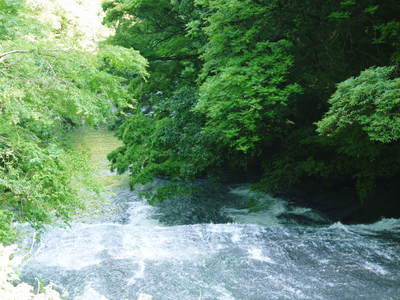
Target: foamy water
259, 255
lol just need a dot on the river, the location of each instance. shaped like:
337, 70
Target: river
279, 251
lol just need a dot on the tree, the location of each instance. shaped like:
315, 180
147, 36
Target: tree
263, 72
47, 87
158, 30
364, 118
245, 90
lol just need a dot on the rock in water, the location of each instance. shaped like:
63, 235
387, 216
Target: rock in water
144, 297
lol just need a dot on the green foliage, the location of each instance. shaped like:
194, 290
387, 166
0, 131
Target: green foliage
157, 29
35, 181
390, 34
7, 231
41, 87
245, 91
369, 102
261, 73
48, 85
168, 142
8, 18
363, 120
123, 62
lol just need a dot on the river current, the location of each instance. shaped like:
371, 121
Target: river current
278, 251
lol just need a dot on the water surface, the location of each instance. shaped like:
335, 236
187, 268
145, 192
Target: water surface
279, 251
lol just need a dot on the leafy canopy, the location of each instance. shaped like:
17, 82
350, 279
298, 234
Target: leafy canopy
369, 102
48, 85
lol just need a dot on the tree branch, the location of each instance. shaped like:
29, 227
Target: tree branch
3, 56
166, 58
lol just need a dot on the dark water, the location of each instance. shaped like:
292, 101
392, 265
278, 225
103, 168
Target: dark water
278, 251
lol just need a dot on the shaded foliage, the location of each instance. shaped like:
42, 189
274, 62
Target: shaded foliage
266, 75
168, 142
158, 30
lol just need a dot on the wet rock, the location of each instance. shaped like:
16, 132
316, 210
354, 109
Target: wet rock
144, 297
340, 204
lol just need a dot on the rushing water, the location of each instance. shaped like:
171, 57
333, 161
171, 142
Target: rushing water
278, 251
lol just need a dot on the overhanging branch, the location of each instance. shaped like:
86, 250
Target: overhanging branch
3, 56
166, 58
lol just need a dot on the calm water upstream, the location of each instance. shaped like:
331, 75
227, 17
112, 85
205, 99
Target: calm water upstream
277, 252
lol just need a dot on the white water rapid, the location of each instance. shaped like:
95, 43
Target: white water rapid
265, 254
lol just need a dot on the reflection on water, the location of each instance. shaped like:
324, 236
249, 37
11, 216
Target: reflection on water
97, 144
